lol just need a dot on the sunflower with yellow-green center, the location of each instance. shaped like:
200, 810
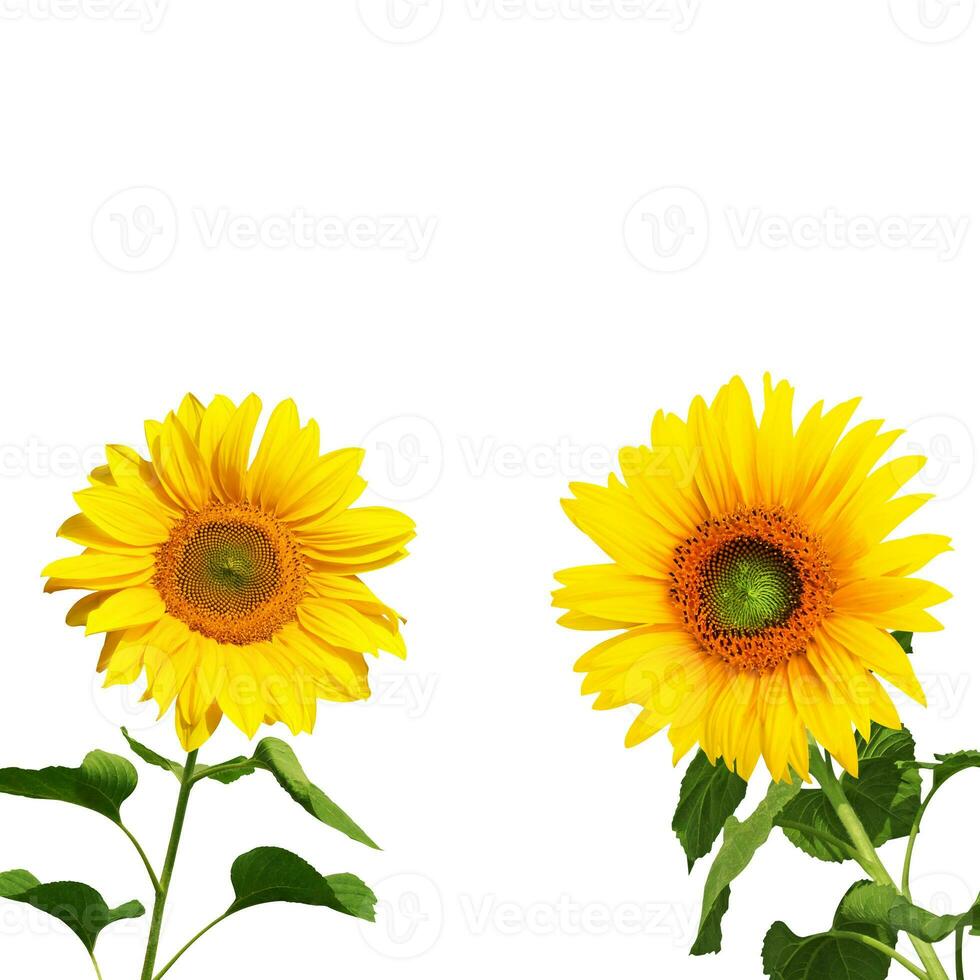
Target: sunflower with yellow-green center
232, 581
755, 580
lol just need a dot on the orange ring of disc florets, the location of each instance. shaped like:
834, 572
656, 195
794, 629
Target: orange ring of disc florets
776, 532
231, 572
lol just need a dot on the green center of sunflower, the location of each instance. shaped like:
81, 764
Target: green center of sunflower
228, 568
750, 585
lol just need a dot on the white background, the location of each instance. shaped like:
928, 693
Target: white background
819, 156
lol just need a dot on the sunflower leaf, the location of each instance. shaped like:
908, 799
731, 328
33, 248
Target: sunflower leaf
863, 910
810, 823
741, 840
920, 922
952, 763
710, 794
786, 956
904, 638
887, 792
242, 766
708, 939
103, 782
272, 874
78, 906
230, 771
866, 908
153, 758
276, 756
885, 795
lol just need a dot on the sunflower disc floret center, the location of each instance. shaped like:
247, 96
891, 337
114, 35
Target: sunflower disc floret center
231, 572
752, 587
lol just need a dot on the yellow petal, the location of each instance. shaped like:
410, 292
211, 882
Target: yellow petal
613, 593
280, 436
774, 454
355, 538
180, 466
323, 489
79, 612
901, 556
214, 424
826, 717
123, 515
83, 530
190, 413
129, 607
231, 460
878, 650
93, 566
611, 517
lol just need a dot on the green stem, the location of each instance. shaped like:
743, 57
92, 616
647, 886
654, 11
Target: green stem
960, 975
913, 834
183, 949
146, 861
860, 937
95, 963
867, 856
153, 942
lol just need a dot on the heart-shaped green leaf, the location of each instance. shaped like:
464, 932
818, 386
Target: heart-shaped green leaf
710, 794
276, 756
786, 956
79, 906
741, 840
271, 874
103, 782
885, 795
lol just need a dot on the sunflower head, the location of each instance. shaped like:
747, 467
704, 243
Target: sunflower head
232, 581
754, 580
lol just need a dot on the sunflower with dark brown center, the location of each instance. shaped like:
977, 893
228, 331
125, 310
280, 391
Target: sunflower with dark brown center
233, 581
756, 580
